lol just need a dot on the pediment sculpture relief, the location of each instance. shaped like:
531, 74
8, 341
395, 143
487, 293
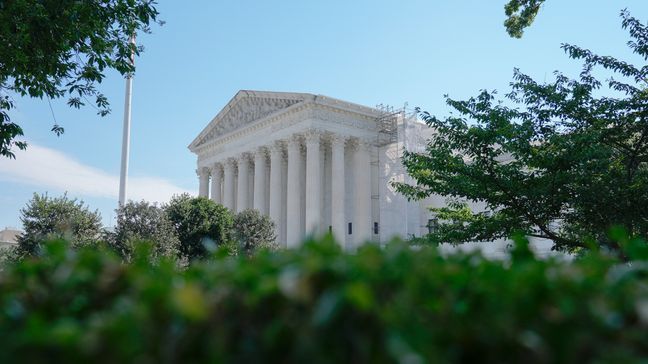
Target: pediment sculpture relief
246, 111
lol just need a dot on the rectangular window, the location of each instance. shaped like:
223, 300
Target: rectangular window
350, 228
376, 227
433, 225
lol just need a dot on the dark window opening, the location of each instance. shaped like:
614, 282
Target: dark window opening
376, 227
433, 225
350, 228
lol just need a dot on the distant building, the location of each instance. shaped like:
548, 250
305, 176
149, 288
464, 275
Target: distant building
9, 237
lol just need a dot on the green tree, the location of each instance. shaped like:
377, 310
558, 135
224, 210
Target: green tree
143, 222
46, 218
253, 230
62, 48
200, 223
520, 14
561, 163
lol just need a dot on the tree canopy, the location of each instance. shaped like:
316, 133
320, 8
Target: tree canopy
253, 230
560, 162
62, 48
45, 218
200, 223
142, 221
520, 14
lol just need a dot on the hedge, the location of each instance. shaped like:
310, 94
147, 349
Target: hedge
318, 304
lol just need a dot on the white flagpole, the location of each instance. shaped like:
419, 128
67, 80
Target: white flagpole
126, 134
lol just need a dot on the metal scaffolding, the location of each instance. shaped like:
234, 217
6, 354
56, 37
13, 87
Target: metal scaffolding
388, 124
389, 120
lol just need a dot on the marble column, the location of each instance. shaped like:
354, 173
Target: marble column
243, 182
338, 192
216, 176
293, 200
362, 194
228, 184
313, 183
260, 180
203, 178
276, 160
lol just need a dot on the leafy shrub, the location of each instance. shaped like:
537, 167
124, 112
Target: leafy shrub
143, 222
47, 217
199, 223
318, 304
253, 231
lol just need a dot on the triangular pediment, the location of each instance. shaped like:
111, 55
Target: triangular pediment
246, 107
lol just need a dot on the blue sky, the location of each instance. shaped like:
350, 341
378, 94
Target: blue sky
368, 52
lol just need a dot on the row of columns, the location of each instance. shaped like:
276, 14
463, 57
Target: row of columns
312, 219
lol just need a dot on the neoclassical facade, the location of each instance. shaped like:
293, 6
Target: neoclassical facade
316, 164
313, 164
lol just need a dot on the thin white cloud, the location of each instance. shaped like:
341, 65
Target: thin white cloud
45, 167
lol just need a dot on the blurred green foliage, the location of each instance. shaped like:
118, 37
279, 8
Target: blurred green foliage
318, 304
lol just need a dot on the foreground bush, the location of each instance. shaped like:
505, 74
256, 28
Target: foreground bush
320, 305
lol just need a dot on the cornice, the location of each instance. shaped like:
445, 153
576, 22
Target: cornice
366, 111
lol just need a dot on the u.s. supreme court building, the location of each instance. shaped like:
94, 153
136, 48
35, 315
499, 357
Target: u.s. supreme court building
314, 164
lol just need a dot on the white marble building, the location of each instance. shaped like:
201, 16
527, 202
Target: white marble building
312, 163
315, 164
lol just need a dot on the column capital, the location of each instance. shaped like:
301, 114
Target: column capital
202, 171
277, 146
229, 163
216, 167
244, 157
313, 136
361, 144
294, 141
338, 139
261, 152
